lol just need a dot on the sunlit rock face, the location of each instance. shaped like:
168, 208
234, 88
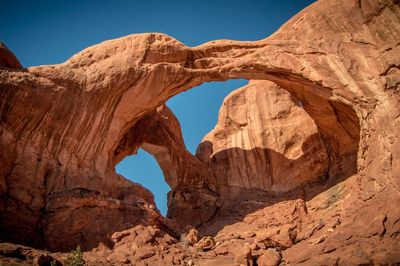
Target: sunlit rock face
330, 180
264, 140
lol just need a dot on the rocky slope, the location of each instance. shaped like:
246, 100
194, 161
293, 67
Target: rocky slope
64, 127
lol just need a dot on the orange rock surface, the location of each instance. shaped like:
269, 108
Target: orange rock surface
302, 166
263, 140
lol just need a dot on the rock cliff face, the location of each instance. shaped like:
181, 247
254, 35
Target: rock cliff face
263, 140
326, 189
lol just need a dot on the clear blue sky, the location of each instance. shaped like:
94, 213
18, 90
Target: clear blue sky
49, 32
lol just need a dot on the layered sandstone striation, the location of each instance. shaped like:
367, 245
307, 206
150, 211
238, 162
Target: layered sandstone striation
64, 127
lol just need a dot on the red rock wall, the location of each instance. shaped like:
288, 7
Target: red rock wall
263, 140
61, 126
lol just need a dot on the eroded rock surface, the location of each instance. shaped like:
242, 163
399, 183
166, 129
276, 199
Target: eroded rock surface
63, 127
263, 140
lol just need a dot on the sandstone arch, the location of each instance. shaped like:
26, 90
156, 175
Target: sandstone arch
62, 126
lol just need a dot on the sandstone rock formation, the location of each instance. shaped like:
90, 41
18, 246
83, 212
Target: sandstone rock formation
11, 254
7, 58
64, 127
263, 140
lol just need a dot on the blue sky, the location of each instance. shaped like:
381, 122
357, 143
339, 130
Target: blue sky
49, 32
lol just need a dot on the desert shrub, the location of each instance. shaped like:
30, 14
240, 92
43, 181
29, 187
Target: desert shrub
74, 258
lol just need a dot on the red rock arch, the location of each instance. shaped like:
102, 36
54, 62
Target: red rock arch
62, 125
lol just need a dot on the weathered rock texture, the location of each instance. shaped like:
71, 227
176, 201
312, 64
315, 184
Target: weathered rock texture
263, 140
63, 127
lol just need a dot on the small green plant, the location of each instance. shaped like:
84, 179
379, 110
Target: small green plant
74, 258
